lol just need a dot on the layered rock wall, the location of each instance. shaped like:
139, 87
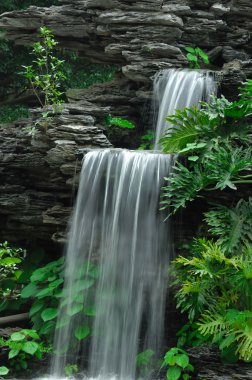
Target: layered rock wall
142, 35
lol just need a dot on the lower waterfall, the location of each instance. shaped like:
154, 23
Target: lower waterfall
117, 224
119, 249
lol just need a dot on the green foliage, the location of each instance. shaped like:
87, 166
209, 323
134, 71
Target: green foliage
189, 335
51, 300
147, 141
10, 272
22, 346
231, 329
4, 371
147, 364
178, 363
216, 147
232, 225
45, 287
46, 76
71, 369
196, 57
216, 292
9, 114
119, 122
81, 74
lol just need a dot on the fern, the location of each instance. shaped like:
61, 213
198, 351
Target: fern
225, 166
188, 125
183, 187
231, 225
211, 323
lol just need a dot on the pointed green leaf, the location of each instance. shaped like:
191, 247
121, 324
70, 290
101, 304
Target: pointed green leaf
82, 332
49, 314
173, 373
28, 291
17, 336
13, 353
30, 347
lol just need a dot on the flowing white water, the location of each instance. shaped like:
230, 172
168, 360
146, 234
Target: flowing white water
117, 222
175, 89
117, 225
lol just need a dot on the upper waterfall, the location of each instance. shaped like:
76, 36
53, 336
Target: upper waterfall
175, 89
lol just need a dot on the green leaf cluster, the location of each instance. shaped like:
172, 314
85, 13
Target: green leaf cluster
46, 76
52, 307
119, 122
196, 57
147, 141
147, 364
22, 346
10, 271
213, 287
215, 142
178, 363
231, 225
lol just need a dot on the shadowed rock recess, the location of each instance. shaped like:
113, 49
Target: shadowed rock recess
38, 174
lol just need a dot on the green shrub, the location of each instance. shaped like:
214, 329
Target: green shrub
178, 363
22, 346
51, 300
9, 114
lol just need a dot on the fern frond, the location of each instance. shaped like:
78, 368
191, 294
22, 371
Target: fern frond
188, 125
244, 339
211, 323
231, 225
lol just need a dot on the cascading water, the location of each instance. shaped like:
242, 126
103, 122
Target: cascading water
117, 220
175, 89
117, 227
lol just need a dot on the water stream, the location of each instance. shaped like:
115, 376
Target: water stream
117, 224
118, 231
175, 89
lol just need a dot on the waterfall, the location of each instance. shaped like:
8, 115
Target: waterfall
119, 248
175, 89
116, 223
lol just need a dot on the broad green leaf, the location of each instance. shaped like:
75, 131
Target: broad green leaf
47, 328
63, 322
17, 336
30, 347
83, 284
173, 373
10, 261
190, 49
4, 371
193, 158
185, 376
49, 314
74, 309
28, 291
13, 353
44, 293
82, 332
32, 333
192, 57
37, 306
182, 360
119, 122
39, 275
56, 283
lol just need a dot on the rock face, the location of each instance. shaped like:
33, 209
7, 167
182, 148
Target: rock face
142, 35
38, 175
